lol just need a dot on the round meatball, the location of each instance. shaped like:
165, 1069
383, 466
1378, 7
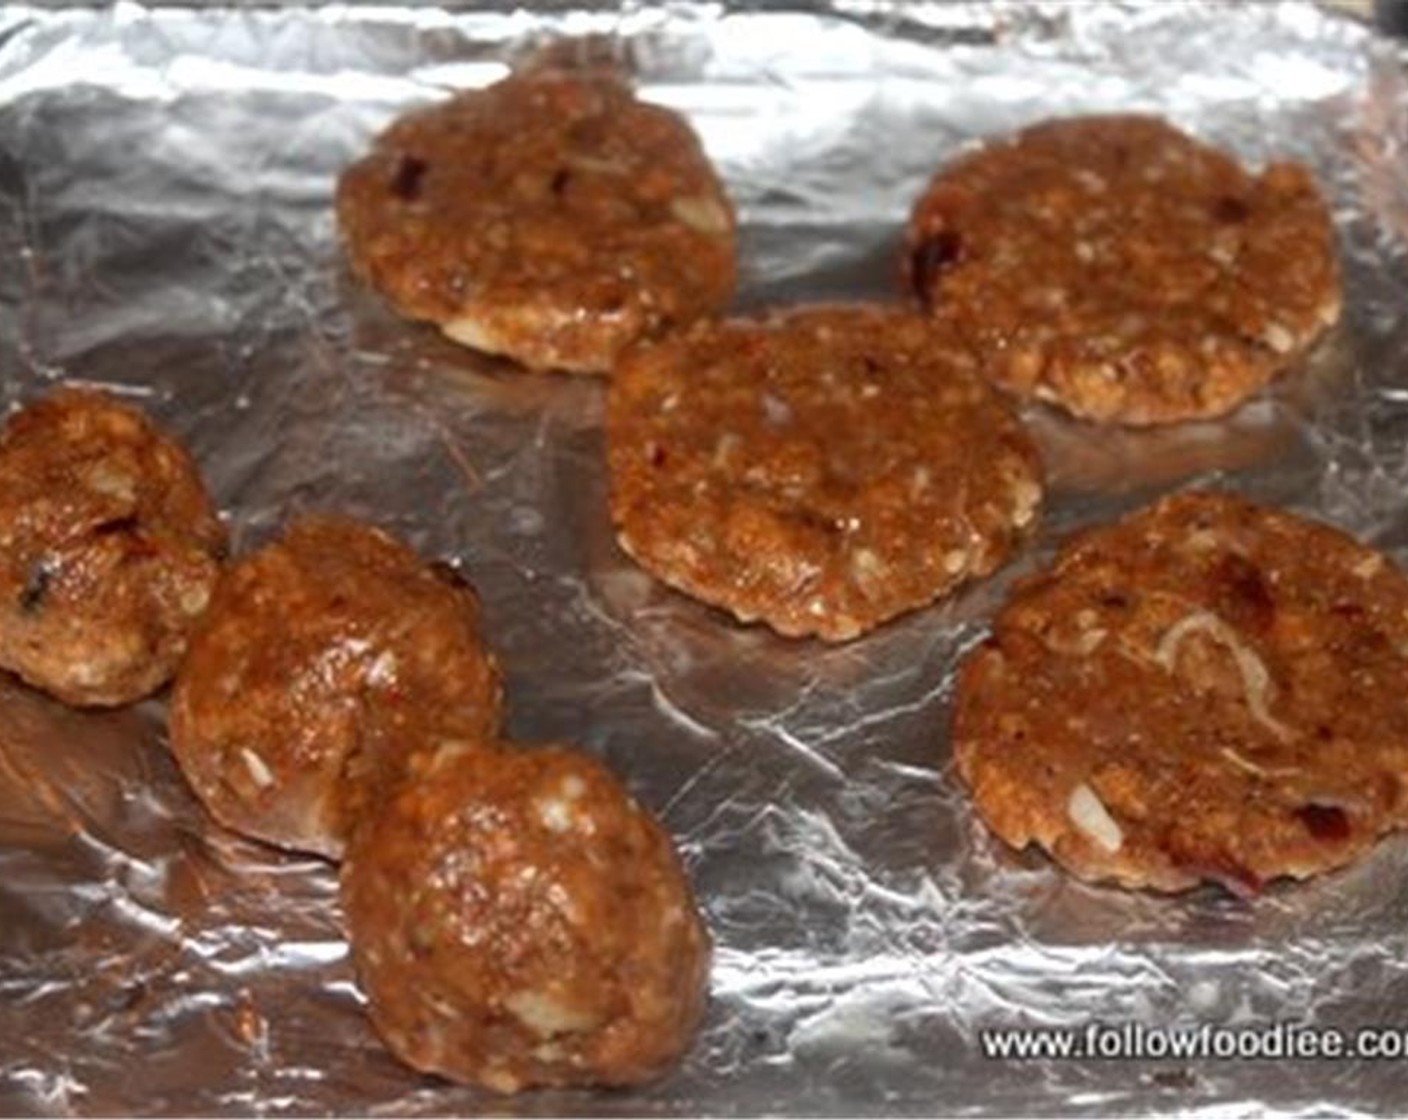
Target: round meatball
517, 920
109, 549
319, 650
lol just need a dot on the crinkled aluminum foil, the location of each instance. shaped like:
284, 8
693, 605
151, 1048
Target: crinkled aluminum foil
166, 231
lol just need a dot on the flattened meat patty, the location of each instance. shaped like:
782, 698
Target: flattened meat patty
823, 470
517, 920
109, 549
1122, 270
320, 651
1206, 690
550, 217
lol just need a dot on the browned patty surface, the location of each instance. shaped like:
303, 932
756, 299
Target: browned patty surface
1205, 690
550, 217
109, 549
1124, 271
322, 656
517, 920
822, 470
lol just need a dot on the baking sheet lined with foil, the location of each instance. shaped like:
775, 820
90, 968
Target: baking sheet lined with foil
166, 231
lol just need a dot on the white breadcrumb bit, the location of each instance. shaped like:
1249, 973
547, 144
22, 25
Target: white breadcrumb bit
701, 213
1088, 813
195, 599
1278, 338
546, 1016
563, 902
776, 411
1089, 641
469, 330
453, 748
728, 443
104, 480
1222, 253
1203, 540
257, 767
1369, 567
1025, 497
866, 567
555, 815
596, 164
382, 671
87, 672
499, 1080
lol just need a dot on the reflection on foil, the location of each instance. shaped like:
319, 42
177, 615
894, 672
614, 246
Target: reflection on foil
165, 231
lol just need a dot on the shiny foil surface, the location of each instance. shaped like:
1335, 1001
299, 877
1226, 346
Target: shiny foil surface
166, 231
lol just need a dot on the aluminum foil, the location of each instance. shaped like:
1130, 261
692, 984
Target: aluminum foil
166, 231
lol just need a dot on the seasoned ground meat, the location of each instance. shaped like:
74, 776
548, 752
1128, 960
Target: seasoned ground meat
109, 549
550, 217
822, 470
320, 651
517, 920
1206, 690
1123, 270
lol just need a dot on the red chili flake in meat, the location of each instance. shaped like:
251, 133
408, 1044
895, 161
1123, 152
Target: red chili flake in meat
1242, 594
1231, 210
405, 183
1324, 822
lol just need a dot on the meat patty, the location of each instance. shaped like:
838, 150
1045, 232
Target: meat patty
516, 919
1124, 271
109, 549
1206, 690
320, 652
550, 217
823, 469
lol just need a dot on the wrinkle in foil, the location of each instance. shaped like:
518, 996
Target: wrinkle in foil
166, 232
